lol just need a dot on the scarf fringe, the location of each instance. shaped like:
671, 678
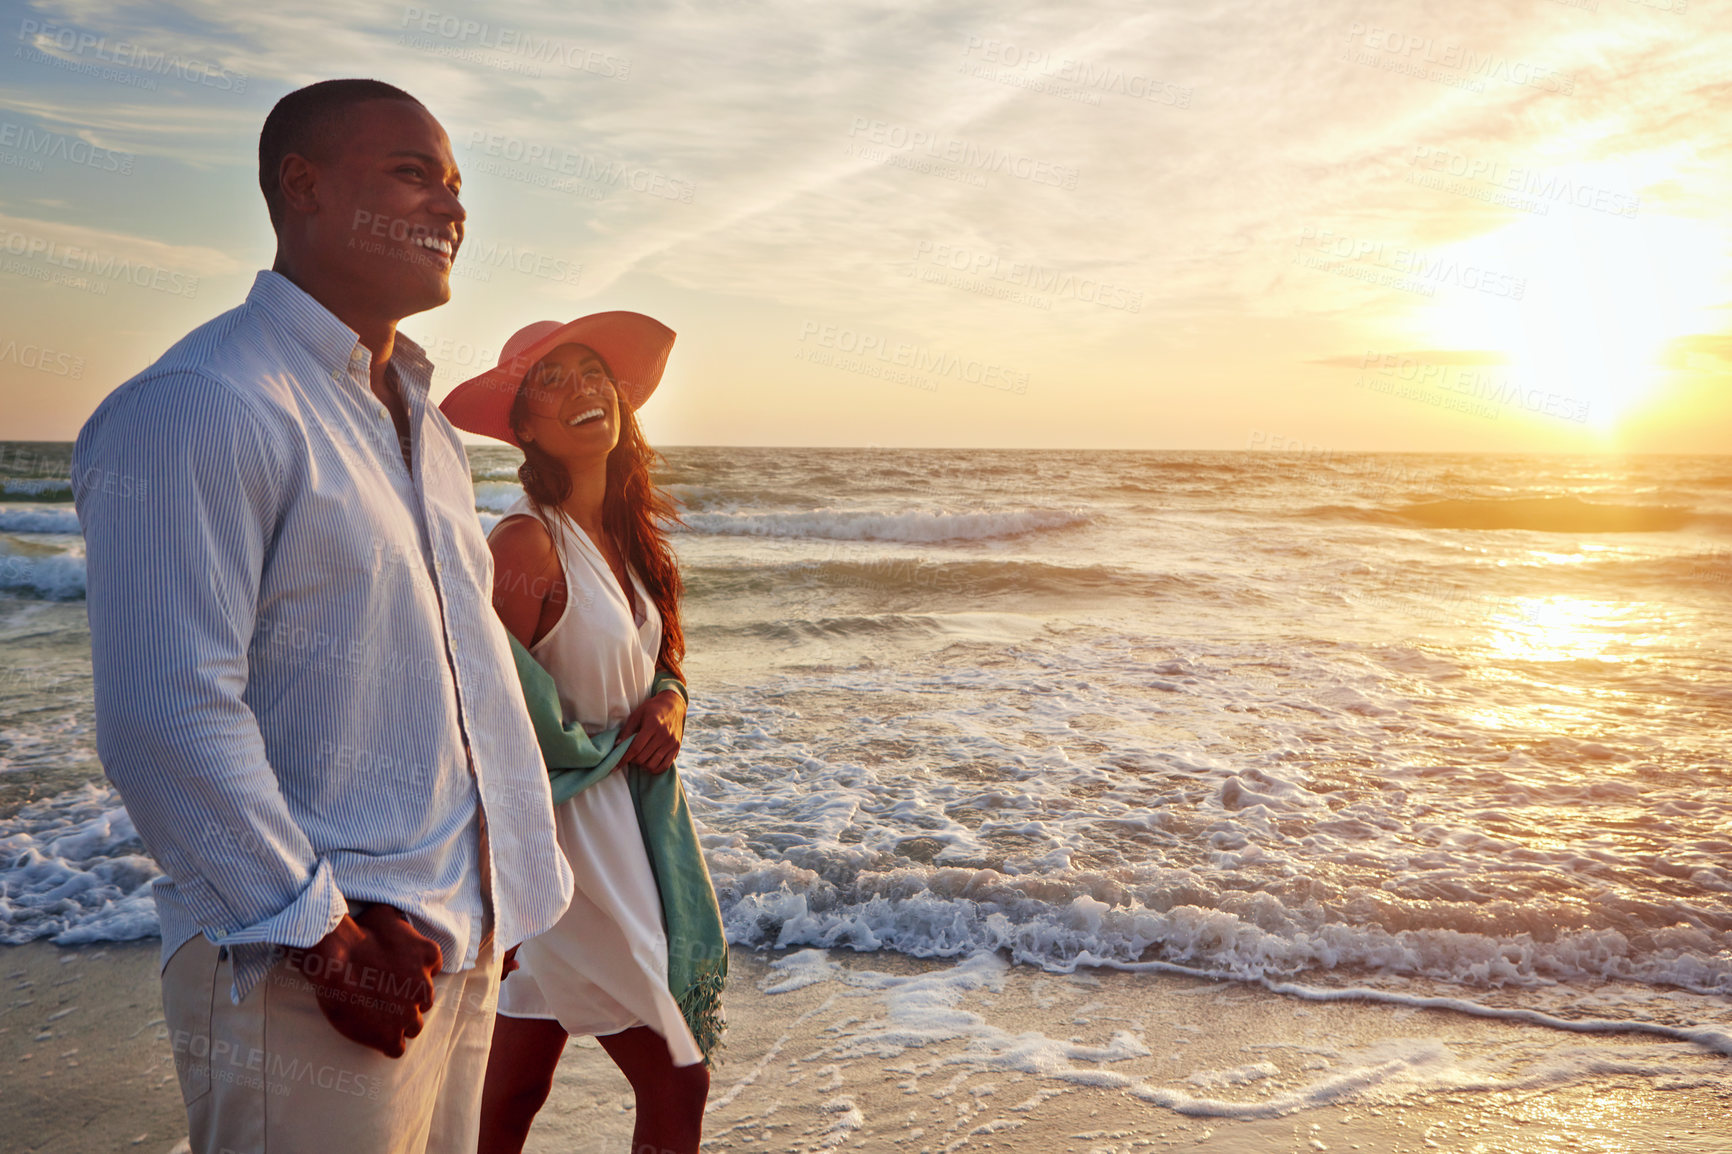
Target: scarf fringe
701, 1003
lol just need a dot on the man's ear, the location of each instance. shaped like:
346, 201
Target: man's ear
298, 178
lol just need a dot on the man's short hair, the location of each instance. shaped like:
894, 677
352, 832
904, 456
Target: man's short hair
305, 120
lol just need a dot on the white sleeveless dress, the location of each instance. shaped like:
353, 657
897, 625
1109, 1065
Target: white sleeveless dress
603, 967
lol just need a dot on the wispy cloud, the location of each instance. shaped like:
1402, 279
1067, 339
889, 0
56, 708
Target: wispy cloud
1037, 177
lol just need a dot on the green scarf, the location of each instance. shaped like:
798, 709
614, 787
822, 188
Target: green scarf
697, 947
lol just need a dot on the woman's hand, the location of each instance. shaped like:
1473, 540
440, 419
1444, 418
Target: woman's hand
659, 723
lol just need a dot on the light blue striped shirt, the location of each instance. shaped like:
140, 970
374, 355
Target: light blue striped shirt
295, 650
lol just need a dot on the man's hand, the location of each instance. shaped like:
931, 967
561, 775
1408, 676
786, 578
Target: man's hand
660, 723
373, 976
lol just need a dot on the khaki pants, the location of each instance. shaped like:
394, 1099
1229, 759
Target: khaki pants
270, 1076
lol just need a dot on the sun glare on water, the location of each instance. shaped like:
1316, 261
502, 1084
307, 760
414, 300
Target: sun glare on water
1554, 629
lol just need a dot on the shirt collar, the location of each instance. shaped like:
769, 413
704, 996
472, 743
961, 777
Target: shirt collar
331, 342
413, 367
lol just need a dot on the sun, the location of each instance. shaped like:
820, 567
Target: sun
1601, 297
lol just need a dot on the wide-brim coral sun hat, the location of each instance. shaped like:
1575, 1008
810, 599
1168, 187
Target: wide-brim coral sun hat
634, 346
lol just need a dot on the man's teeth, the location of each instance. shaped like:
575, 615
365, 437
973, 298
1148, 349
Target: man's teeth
437, 244
582, 417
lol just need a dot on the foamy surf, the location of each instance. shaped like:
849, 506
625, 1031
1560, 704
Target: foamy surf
856, 525
39, 521
38, 571
37, 488
948, 1025
72, 870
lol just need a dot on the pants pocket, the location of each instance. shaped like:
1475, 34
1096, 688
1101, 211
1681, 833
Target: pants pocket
190, 985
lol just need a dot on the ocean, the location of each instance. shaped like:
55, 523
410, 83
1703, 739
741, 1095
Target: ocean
1401, 726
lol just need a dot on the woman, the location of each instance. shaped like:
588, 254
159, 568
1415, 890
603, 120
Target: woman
586, 582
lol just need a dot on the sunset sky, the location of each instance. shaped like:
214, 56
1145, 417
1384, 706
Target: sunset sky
1336, 225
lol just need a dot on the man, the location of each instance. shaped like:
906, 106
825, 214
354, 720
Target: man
302, 691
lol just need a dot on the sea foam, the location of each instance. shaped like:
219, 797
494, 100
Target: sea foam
38, 521
868, 525
41, 573
72, 869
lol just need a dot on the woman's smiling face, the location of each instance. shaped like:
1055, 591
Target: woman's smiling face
573, 407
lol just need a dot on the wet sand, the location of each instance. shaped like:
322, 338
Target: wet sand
880, 1052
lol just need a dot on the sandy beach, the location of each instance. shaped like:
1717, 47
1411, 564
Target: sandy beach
842, 1051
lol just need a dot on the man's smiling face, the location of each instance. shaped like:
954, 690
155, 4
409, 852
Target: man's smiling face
389, 220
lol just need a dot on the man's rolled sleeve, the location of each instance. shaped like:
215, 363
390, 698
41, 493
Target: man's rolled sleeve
177, 491
303, 922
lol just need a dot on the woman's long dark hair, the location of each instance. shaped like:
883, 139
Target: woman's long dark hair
633, 511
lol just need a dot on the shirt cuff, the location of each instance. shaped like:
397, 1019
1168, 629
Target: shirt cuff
303, 922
